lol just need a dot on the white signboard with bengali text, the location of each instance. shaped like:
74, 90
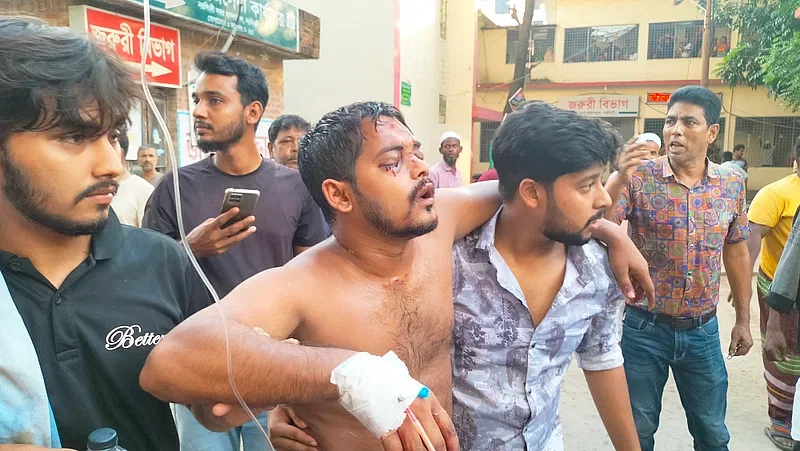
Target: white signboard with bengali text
602, 105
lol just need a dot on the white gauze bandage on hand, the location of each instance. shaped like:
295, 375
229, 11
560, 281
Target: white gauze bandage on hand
376, 390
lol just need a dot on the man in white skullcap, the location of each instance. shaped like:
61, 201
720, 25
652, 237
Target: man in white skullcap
444, 173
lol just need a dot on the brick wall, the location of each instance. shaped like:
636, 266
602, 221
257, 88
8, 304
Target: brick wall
309, 34
53, 12
271, 64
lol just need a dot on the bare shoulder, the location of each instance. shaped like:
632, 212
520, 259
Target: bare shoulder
298, 279
279, 300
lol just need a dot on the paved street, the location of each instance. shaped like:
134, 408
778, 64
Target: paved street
747, 405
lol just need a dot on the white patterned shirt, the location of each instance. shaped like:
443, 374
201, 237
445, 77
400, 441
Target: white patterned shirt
506, 373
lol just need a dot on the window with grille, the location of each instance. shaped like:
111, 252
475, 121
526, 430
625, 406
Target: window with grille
542, 43
592, 44
654, 126
768, 141
487, 134
684, 40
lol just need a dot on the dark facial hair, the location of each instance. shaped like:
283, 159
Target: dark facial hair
22, 193
376, 216
229, 135
557, 226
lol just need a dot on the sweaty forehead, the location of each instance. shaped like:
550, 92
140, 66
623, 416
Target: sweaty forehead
388, 130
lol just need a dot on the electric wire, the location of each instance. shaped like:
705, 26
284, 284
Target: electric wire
179, 213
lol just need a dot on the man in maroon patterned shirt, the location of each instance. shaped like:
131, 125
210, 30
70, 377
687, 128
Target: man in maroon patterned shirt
685, 213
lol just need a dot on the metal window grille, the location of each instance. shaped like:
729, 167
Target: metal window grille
487, 134
542, 43
592, 44
684, 40
653, 126
768, 141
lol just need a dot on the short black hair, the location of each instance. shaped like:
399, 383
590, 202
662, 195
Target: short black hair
330, 149
727, 156
702, 97
250, 80
542, 142
146, 146
286, 122
738, 146
52, 78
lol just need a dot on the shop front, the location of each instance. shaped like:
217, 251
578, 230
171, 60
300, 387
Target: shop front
268, 33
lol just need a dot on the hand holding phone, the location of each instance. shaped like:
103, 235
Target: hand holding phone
216, 235
243, 199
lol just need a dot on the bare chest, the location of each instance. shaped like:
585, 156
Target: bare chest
412, 316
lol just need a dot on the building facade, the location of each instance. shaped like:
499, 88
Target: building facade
620, 60
416, 54
270, 32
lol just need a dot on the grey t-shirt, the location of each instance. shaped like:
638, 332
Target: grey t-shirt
286, 216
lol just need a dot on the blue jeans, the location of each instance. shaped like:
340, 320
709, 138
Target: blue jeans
194, 437
650, 350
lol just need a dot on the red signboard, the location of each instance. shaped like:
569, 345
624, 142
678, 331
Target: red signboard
663, 97
658, 97
125, 36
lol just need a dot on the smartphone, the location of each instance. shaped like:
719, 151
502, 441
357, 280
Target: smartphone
245, 199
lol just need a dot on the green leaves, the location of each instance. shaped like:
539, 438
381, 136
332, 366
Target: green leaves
768, 52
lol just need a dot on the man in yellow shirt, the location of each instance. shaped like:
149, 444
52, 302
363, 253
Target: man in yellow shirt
770, 215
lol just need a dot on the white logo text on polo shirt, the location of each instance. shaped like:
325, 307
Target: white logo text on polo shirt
126, 337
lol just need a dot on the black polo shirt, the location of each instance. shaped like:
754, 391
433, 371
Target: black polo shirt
93, 334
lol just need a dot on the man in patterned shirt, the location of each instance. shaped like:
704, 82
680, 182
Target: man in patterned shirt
685, 212
529, 291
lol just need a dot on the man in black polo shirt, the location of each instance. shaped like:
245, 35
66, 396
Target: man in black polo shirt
95, 296
230, 98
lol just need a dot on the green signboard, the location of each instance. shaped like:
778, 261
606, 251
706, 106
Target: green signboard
271, 21
405, 93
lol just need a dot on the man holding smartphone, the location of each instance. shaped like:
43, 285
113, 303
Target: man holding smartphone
229, 100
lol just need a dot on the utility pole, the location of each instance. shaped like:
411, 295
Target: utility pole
706, 54
521, 70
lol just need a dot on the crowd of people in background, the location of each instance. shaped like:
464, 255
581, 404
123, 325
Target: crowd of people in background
360, 264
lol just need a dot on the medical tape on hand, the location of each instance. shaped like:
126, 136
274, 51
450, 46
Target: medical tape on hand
376, 390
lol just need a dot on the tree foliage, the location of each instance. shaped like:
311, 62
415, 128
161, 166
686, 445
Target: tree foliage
768, 51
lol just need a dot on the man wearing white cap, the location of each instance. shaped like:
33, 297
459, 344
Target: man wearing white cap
444, 173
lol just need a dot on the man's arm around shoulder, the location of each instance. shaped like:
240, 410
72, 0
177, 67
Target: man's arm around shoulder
462, 210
